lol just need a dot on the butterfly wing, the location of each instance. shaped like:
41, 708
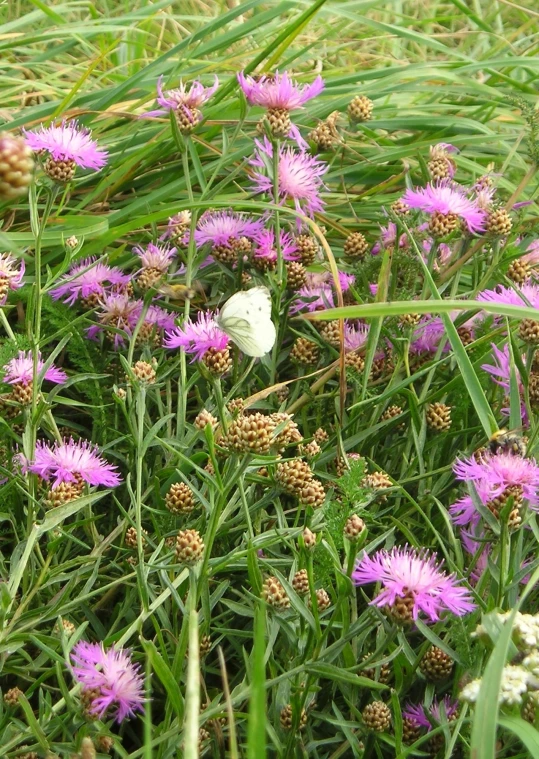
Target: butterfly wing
246, 318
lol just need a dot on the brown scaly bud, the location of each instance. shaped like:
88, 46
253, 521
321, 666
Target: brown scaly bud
353, 528
402, 609
441, 164
533, 388
497, 505
149, 277
71, 242
275, 595
499, 222
528, 330
250, 434
377, 481
16, 166
293, 475
189, 547
323, 599
204, 418
287, 718
411, 730
519, 271
310, 450
296, 275
104, 743
11, 696
391, 412
442, 224
436, 665
409, 320
282, 393
354, 361
321, 436
224, 253
360, 109
204, 737
204, 645
305, 352
87, 749
187, 119
377, 717
286, 431
307, 248
236, 406
384, 672
326, 135
22, 392
144, 373
67, 626
279, 121
60, 170
466, 335
356, 246
87, 698
400, 208
130, 538
300, 582
180, 499
331, 333
312, 494
309, 539
217, 361
438, 416
27, 754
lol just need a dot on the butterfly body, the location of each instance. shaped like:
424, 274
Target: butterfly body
246, 319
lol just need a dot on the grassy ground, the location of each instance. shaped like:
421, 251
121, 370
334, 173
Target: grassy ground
457, 72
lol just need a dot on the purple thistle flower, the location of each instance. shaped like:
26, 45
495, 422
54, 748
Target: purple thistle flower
495, 472
68, 142
198, 337
444, 198
512, 296
20, 370
355, 337
420, 714
112, 675
11, 274
177, 226
265, 250
155, 256
224, 227
184, 98
313, 298
300, 177
500, 371
70, 461
414, 578
278, 91
88, 280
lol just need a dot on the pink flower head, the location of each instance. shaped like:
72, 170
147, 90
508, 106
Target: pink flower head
117, 310
155, 317
355, 337
425, 716
155, 256
388, 238
70, 461
20, 370
500, 371
198, 337
184, 98
345, 280
316, 298
68, 142
177, 226
224, 227
111, 674
427, 335
494, 472
278, 91
300, 176
11, 274
512, 296
444, 198
407, 574
266, 251
88, 279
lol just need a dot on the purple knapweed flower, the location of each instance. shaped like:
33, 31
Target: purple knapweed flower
71, 461
198, 337
11, 274
278, 91
155, 256
526, 294
355, 337
413, 583
177, 227
265, 249
20, 370
114, 684
89, 281
425, 716
185, 99
313, 298
497, 471
225, 227
500, 370
447, 200
299, 175
68, 142
388, 238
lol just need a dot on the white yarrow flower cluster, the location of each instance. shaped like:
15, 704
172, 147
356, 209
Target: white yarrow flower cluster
470, 692
531, 663
514, 685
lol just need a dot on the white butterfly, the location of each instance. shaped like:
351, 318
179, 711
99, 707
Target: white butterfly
246, 319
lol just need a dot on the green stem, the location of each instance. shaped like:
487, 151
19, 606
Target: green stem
6, 325
141, 411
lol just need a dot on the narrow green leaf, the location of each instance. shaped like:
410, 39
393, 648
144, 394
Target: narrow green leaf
525, 732
256, 725
163, 672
